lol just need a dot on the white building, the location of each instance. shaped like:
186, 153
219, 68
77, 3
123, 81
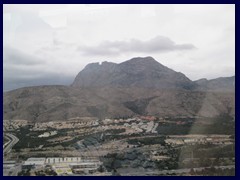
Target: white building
35, 161
69, 160
47, 134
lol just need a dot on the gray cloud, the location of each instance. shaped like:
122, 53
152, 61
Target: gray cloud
56, 45
158, 44
14, 56
21, 70
23, 80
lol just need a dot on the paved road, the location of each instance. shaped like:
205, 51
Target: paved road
9, 146
176, 171
9, 140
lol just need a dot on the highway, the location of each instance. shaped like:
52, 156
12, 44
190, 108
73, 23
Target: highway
13, 141
9, 140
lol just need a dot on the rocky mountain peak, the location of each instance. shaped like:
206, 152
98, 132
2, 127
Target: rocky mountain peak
143, 72
147, 59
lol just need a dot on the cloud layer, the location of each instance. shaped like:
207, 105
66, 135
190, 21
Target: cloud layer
21, 70
158, 44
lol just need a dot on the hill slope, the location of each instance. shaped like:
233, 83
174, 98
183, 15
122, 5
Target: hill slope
140, 86
219, 84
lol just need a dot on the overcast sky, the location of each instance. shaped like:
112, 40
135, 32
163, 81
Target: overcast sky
50, 44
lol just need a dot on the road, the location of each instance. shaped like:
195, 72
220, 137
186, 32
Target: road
9, 140
13, 141
165, 172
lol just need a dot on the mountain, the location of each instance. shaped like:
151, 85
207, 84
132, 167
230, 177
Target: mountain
137, 72
219, 84
140, 86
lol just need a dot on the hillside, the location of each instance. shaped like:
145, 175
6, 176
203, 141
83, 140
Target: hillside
140, 86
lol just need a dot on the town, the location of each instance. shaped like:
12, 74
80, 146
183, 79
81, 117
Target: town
91, 146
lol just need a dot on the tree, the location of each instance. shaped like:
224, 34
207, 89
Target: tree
115, 173
192, 172
101, 169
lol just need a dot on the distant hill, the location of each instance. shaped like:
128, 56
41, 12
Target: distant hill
219, 84
140, 86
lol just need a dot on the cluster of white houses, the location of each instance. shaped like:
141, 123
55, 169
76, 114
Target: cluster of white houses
65, 165
199, 139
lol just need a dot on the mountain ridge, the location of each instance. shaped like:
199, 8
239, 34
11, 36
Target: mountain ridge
132, 88
217, 84
138, 72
